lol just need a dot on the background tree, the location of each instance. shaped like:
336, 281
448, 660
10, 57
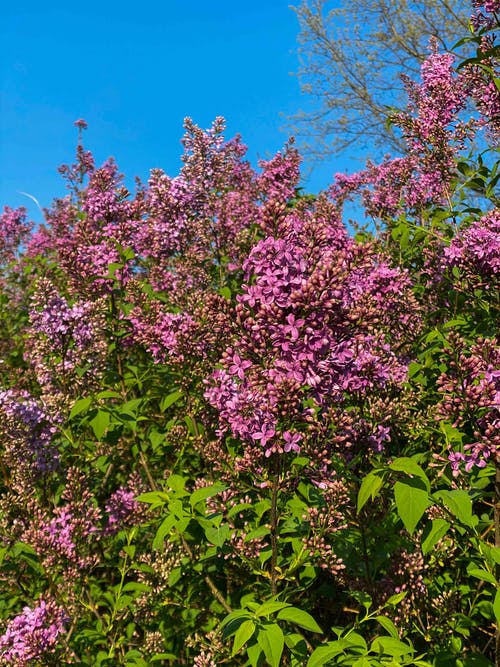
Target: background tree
352, 59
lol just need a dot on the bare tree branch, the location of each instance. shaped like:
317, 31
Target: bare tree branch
352, 57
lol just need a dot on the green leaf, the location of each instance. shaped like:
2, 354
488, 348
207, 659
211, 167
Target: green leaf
113, 267
496, 607
130, 407
163, 656
363, 662
194, 428
169, 400
459, 504
80, 406
481, 574
296, 642
363, 598
411, 503
261, 531
237, 509
226, 293
100, 423
237, 614
271, 640
369, 488
354, 639
323, 654
176, 482
254, 652
206, 492
270, 607
388, 626
233, 622
218, 534
390, 646
242, 635
396, 598
410, 467
108, 393
165, 527
300, 618
136, 587
495, 554
156, 438
153, 498
452, 434
433, 532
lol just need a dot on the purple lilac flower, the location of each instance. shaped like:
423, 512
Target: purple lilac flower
121, 509
33, 634
28, 433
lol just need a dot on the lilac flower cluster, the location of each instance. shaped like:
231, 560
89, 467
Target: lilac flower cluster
324, 523
59, 536
33, 635
312, 327
434, 134
476, 251
88, 235
14, 231
61, 322
65, 341
200, 219
160, 331
485, 14
122, 508
27, 434
471, 396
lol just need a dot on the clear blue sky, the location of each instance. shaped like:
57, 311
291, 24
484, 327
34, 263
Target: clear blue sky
133, 71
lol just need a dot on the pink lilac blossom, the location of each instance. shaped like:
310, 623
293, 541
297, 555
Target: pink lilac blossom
14, 231
33, 635
160, 332
122, 510
60, 536
471, 398
200, 220
90, 231
80, 124
485, 14
480, 80
476, 251
198, 224
61, 322
281, 175
434, 134
314, 322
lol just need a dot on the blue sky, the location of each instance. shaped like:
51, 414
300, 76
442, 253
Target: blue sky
133, 72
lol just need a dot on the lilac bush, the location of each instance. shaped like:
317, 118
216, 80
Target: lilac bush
232, 431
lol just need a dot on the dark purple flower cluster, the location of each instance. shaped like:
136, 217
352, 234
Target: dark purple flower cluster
485, 14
